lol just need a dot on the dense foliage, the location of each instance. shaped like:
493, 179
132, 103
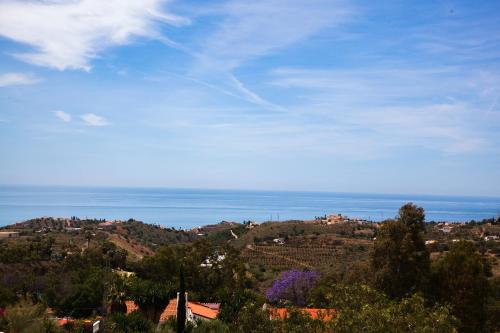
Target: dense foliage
397, 288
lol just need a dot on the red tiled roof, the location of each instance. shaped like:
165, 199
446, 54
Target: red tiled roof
205, 310
201, 310
131, 306
323, 314
170, 310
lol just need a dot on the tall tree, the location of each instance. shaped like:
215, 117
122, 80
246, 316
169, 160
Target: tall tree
181, 304
460, 279
400, 259
151, 297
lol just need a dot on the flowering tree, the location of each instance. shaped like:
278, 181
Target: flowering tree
293, 286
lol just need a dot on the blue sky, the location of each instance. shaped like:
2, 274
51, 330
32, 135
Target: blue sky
349, 96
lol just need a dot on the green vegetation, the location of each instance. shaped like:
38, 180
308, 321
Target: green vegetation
375, 277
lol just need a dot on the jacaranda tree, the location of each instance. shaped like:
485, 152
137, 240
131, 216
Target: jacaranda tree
293, 286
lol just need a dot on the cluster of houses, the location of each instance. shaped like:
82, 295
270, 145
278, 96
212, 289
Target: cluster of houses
196, 311
338, 218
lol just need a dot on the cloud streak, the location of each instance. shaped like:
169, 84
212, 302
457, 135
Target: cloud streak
91, 119
68, 35
17, 79
63, 116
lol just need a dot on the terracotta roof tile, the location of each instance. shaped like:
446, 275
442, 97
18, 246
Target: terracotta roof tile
170, 310
201, 310
131, 306
209, 311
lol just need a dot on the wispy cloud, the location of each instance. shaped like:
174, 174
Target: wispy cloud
248, 30
443, 108
16, 79
251, 29
65, 117
68, 35
93, 120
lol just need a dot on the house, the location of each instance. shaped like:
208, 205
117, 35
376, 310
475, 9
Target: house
446, 229
209, 262
122, 273
251, 224
9, 234
279, 241
333, 219
194, 310
323, 314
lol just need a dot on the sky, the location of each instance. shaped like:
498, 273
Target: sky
310, 95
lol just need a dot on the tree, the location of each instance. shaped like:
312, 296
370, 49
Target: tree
407, 315
131, 323
233, 300
150, 296
293, 286
116, 294
460, 279
360, 308
252, 318
400, 259
26, 317
181, 304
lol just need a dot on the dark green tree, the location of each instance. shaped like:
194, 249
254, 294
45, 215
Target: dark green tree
460, 278
181, 304
233, 300
400, 259
151, 297
131, 323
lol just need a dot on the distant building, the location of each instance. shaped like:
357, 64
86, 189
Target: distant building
9, 234
123, 273
71, 229
279, 241
430, 242
251, 224
446, 229
489, 238
334, 219
209, 262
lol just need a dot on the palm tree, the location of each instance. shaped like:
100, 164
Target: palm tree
117, 294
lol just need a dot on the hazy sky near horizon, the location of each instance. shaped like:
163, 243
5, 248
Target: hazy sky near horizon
357, 96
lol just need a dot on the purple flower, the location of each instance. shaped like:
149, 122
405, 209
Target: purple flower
293, 286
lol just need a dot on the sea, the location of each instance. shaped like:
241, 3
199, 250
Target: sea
188, 208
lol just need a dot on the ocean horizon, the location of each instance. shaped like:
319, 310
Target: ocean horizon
188, 208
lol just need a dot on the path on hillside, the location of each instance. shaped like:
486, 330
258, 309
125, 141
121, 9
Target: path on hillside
135, 250
251, 248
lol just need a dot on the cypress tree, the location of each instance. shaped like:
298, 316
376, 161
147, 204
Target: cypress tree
181, 304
